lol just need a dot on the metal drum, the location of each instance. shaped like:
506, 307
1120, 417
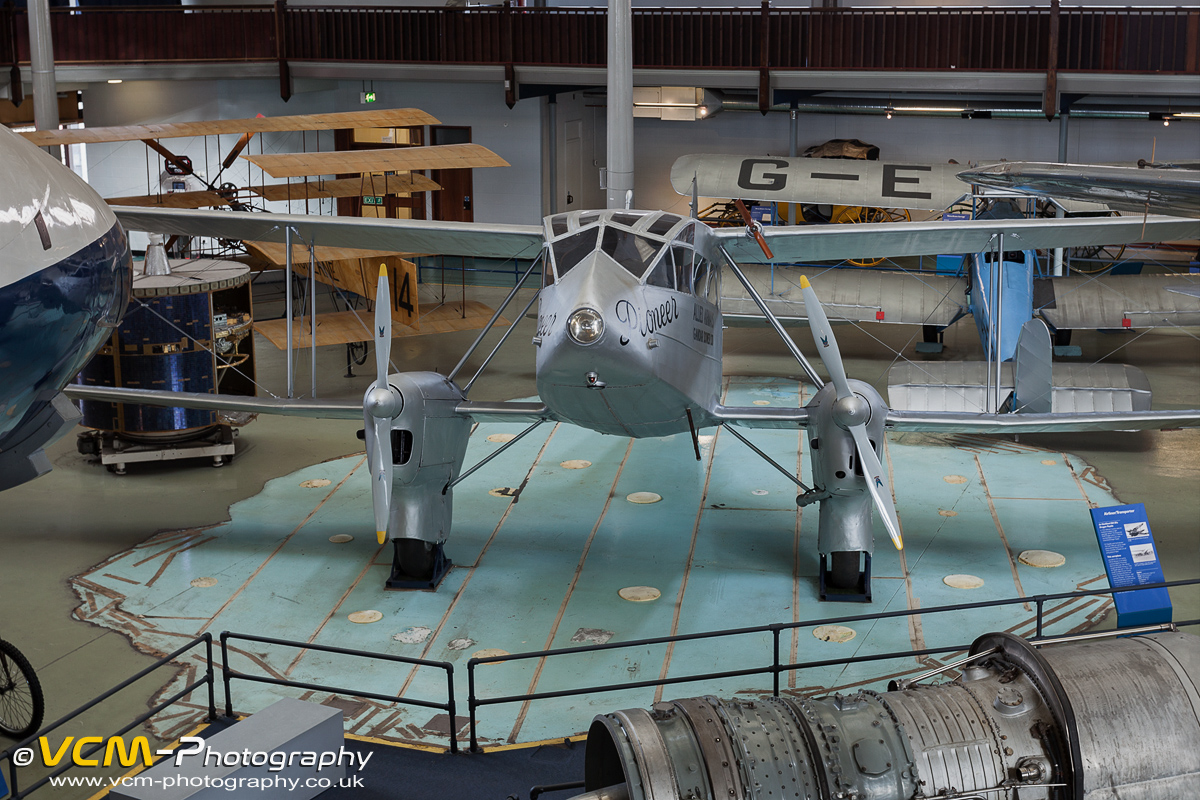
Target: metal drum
166, 342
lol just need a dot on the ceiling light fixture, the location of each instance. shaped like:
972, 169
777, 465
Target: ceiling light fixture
115, 80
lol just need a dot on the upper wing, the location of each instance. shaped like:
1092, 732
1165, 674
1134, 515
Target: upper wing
950, 422
383, 118
1118, 301
399, 235
1127, 188
860, 295
891, 239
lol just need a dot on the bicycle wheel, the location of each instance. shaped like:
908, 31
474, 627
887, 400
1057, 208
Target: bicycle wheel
21, 701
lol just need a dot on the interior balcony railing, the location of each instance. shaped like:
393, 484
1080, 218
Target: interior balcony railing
1042, 39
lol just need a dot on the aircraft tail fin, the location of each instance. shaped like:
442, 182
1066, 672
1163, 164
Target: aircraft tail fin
1033, 369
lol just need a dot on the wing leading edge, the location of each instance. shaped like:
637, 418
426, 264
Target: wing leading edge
894, 239
397, 235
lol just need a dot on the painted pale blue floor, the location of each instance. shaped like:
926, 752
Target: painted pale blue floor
727, 547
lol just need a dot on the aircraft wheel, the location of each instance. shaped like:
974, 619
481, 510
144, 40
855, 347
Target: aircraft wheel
844, 569
416, 557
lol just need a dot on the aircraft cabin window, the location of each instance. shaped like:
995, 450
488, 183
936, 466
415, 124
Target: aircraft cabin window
700, 278
588, 218
626, 218
631, 251
663, 224
663, 273
688, 234
570, 251
713, 293
683, 267
558, 225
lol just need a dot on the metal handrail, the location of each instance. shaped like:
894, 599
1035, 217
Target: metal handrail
208, 679
228, 675
777, 667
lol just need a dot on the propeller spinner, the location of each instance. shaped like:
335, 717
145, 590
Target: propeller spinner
381, 404
851, 412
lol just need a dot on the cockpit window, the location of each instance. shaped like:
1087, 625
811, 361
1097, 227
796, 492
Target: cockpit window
570, 251
588, 218
626, 218
558, 224
688, 234
663, 224
683, 266
631, 251
663, 273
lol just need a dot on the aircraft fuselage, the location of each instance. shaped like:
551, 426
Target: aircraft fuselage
65, 276
652, 352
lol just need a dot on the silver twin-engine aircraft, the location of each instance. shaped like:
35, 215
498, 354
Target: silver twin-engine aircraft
628, 342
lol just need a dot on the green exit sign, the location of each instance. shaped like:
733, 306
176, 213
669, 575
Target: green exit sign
372, 201
369, 97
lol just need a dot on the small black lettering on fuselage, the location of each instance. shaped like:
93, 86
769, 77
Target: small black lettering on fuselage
702, 315
546, 324
754, 175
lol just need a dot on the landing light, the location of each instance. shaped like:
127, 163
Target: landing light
585, 325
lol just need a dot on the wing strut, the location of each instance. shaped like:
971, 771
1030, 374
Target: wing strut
490, 456
478, 339
771, 318
767, 458
504, 338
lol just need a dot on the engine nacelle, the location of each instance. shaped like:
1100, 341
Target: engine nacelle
429, 442
1092, 720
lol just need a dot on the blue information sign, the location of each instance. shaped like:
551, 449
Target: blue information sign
1131, 559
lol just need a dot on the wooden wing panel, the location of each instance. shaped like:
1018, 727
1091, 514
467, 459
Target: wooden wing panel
442, 156
203, 199
373, 185
383, 118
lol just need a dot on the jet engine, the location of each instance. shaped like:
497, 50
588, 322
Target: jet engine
1090, 719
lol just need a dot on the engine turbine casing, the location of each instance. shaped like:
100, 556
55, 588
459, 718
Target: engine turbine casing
1099, 719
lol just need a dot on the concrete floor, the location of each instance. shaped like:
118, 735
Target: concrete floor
61, 524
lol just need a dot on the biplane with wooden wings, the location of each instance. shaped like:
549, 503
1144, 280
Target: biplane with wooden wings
368, 175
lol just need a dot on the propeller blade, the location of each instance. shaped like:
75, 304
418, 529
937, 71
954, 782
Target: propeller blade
754, 229
378, 410
383, 327
381, 473
877, 483
827, 346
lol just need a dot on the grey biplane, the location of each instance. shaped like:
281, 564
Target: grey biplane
629, 342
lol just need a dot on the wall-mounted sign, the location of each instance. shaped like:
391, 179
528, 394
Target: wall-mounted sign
1131, 559
370, 200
